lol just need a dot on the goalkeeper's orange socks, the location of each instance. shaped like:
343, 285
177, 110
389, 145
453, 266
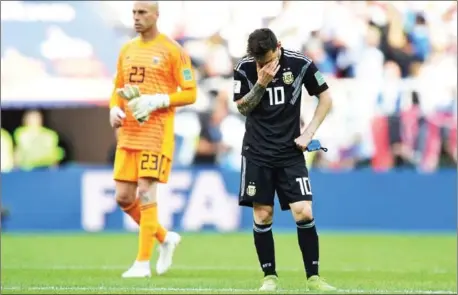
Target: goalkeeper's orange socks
161, 233
133, 210
148, 229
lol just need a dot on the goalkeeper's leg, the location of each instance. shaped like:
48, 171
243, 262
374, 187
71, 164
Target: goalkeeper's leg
126, 174
125, 196
150, 228
131, 206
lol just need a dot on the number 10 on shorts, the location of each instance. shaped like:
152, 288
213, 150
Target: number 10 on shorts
304, 184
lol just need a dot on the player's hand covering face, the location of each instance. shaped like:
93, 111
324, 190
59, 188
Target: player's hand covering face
268, 72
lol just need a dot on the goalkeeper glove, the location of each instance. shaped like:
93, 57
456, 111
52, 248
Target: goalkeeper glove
131, 93
315, 145
144, 105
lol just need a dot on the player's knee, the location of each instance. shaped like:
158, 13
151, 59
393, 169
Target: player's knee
124, 199
147, 192
263, 214
302, 211
145, 195
125, 193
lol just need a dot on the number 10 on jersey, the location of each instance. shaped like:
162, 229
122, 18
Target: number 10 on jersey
276, 95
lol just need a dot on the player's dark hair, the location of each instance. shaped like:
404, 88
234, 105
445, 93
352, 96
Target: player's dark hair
260, 42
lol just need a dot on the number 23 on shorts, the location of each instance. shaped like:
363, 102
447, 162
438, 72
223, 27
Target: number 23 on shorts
150, 164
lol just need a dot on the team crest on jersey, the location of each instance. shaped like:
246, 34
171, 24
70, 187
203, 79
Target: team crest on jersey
156, 60
251, 190
288, 77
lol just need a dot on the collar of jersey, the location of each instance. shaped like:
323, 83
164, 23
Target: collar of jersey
282, 55
141, 43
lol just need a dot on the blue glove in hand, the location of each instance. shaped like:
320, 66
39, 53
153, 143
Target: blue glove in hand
315, 145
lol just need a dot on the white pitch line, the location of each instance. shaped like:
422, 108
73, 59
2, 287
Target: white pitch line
203, 268
130, 289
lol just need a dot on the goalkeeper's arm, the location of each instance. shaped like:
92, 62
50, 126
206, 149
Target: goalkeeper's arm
116, 113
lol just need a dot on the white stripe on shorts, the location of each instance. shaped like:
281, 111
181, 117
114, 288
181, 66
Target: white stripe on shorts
242, 181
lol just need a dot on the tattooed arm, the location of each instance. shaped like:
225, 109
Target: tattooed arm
251, 99
246, 103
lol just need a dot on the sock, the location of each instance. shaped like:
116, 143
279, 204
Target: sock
133, 210
308, 242
148, 229
161, 233
264, 243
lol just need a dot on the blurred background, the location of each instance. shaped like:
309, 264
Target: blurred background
391, 139
391, 67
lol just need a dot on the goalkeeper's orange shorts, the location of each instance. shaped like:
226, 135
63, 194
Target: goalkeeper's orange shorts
130, 165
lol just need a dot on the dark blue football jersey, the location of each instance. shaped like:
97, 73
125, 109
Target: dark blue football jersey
270, 129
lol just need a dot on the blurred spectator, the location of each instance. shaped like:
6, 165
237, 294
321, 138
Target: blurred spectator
369, 64
320, 57
419, 38
7, 151
437, 99
391, 148
395, 44
210, 145
390, 103
36, 145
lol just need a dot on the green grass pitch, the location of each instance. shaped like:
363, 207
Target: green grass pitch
227, 264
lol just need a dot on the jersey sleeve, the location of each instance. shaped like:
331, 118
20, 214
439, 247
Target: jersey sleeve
314, 81
182, 69
241, 87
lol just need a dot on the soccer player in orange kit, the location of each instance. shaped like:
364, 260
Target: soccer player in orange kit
154, 76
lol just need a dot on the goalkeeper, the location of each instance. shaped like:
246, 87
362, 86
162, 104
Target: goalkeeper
150, 69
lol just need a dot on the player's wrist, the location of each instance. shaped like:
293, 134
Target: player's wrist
312, 127
309, 132
262, 84
157, 101
115, 110
165, 99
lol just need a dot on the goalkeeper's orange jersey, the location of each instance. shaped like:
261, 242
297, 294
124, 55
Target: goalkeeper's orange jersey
159, 66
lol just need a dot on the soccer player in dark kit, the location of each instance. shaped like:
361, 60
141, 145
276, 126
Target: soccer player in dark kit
267, 90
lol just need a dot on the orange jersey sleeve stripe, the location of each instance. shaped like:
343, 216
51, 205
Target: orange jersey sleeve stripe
183, 98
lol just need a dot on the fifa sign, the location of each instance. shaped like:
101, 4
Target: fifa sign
190, 201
